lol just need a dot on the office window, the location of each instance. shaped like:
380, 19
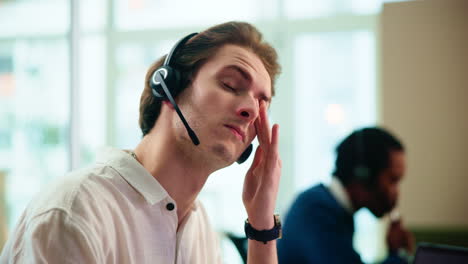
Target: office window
35, 111
168, 14
34, 18
335, 93
92, 98
316, 9
93, 16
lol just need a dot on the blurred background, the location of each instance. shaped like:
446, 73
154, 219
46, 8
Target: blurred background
71, 74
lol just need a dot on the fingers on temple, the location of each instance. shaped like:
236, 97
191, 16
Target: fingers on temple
263, 127
265, 122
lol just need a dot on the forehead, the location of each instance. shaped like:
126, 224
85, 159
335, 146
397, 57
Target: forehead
243, 58
396, 167
397, 162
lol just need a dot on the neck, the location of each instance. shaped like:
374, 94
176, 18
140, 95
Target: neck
177, 170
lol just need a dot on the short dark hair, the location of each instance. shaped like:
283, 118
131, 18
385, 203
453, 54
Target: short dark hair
369, 147
198, 50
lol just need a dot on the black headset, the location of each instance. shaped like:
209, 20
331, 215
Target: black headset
168, 76
361, 171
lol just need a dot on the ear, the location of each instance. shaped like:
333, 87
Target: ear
167, 104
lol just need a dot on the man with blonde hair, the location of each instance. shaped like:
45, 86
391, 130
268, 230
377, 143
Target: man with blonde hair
140, 206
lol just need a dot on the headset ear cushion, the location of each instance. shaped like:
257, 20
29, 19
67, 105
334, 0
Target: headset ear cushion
362, 173
171, 78
175, 82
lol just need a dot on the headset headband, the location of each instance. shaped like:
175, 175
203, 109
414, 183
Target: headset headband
177, 46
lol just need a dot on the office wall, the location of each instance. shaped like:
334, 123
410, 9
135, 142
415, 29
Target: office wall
424, 99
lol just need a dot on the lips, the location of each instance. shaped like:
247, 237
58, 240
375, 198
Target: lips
237, 131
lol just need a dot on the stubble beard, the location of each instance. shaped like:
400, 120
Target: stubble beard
210, 154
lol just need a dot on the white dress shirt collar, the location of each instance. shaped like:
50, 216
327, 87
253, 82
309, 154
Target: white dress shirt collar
339, 193
134, 173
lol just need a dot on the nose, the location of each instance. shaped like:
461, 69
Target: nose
248, 110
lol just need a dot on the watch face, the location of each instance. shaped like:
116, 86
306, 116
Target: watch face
277, 220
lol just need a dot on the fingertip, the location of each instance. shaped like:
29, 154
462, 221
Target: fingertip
275, 134
262, 103
276, 129
262, 110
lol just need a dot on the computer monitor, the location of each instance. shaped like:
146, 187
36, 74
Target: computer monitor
427, 253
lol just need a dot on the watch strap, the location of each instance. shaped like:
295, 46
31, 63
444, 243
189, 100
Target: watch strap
263, 235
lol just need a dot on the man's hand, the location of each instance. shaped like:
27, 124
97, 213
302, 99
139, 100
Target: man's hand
399, 238
262, 179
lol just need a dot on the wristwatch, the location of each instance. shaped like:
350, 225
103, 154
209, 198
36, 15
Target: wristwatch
264, 235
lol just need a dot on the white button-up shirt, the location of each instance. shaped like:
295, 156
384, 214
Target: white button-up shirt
113, 212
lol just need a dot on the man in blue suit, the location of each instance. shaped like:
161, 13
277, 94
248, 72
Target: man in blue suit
319, 227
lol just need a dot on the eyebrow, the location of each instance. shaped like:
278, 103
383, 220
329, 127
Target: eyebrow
246, 76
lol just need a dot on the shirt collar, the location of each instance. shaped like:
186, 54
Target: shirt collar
339, 193
134, 173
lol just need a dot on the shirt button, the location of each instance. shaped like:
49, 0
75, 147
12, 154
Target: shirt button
170, 206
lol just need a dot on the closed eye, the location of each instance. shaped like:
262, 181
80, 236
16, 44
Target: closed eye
227, 86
